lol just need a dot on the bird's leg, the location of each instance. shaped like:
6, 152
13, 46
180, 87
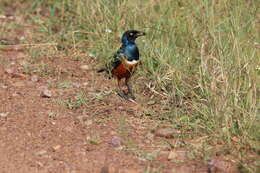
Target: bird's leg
120, 90
129, 88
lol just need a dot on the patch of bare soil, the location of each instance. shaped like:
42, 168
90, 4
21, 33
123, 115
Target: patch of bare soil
71, 121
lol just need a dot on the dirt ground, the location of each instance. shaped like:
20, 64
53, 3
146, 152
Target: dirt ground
72, 121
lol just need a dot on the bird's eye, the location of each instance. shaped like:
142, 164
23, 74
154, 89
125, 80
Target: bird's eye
131, 34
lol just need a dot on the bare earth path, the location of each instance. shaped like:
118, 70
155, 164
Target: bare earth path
82, 126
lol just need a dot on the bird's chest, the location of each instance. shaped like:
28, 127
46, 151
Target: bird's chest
125, 69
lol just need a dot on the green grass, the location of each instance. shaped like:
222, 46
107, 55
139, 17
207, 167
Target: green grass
200, 58
76, 102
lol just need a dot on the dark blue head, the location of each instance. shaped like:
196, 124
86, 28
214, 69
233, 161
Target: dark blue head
130, 36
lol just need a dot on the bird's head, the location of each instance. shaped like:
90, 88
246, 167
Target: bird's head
131, 35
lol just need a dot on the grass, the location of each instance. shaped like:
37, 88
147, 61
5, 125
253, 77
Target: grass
200, 60
94, 140
76, 102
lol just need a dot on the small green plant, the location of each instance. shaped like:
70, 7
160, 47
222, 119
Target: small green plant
94, 140
64, 84
76, 102
52, 115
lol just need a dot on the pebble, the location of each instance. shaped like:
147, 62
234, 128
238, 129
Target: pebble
3, 86
108, 169
15, 94
14, 74
9, 71
46, 93
112, 133
148, 138
85, 83
217, 165
41, 152
84, 67
88, 122
4, 114
76, 85
166, 132
116, 141
56, 148
120, 107
172, 155
34, 78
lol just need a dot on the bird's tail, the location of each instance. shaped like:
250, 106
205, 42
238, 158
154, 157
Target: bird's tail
103, 70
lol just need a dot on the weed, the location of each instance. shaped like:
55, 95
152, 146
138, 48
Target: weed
76, 102
52, 115
94, 140
64, 84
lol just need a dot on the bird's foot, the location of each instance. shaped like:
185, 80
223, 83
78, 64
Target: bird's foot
130, 95
123, 95
126, 96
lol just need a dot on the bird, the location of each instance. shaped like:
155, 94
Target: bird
124, 62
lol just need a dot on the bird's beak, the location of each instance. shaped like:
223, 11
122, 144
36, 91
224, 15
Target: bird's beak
140, 33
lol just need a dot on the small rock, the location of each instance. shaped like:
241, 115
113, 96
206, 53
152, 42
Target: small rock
149, 138
23, 62
108, 169
235, 139
56, 148
88, 122
85, 83
3, 86
166, 132
22, 38
15, 94
41, 152
76, 85
9, 71
120, 107
3, 17
46, 93
116, 141
218, 166
108, 30
34, 78
91, 55
84, 67
112, 133
179, 155
4, 114
172, 155
14, 74
40, 164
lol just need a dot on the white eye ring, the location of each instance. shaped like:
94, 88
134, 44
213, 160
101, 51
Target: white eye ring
131, 34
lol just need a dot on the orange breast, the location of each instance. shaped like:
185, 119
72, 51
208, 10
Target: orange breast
122, 71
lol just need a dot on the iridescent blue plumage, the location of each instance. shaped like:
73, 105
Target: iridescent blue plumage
128, 49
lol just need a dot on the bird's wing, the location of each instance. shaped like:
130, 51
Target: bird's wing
116, 61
